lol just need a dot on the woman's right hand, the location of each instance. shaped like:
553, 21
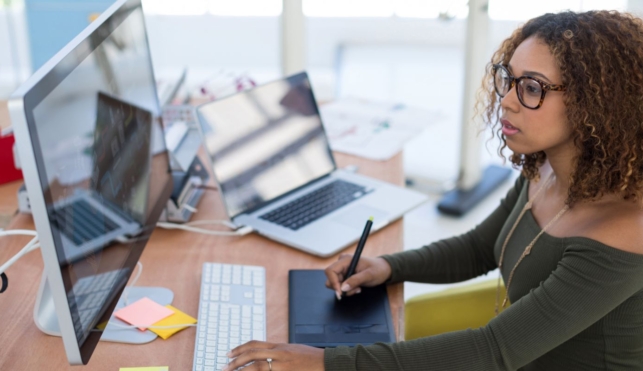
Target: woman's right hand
369, 272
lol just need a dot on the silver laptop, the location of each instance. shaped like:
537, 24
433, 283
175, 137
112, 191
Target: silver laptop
276, 173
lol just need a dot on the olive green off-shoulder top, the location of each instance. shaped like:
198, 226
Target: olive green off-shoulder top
577, 304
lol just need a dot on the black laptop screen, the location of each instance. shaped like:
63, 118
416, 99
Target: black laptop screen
265, 142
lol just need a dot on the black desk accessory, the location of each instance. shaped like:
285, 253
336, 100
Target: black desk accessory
318, 319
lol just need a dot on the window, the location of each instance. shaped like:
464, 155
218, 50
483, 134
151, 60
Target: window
385, 8
498, 9
173, 7
245, 8
348, 8
431, 9
14, 4
523, 10
256, 8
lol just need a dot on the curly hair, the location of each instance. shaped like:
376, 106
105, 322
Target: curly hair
600, 56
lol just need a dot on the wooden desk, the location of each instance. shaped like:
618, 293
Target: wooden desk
173, 259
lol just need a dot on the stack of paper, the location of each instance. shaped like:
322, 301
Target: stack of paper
373, 130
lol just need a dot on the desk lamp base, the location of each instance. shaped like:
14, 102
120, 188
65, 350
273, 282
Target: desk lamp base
458, 202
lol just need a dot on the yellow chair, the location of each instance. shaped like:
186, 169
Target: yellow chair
458, 308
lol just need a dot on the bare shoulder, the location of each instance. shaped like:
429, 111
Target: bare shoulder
619, 225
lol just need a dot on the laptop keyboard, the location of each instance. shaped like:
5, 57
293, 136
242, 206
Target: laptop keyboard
314, 205
80, 222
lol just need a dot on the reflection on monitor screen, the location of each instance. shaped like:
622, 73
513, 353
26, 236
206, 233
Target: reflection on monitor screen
113, 204
121, 154
92, 117
265, 142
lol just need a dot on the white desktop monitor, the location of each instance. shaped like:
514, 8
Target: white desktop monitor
89, 137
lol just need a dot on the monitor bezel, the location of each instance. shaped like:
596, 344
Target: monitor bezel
21, 105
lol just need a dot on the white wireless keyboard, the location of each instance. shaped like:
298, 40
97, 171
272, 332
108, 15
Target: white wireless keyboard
232, 311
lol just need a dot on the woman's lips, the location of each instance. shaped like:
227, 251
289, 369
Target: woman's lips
508, 129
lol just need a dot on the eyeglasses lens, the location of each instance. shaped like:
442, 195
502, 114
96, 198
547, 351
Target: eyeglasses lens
502, 82
530, 92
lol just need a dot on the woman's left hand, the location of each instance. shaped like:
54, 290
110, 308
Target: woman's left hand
284, 357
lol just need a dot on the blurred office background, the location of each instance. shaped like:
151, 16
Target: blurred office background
402, 51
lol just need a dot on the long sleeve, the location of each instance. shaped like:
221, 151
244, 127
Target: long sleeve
457, 258
590, 281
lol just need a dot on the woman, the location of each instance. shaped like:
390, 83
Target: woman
565, 94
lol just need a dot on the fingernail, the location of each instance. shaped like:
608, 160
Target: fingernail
346, 287
225, 368
358, 291
229, 355
338, 295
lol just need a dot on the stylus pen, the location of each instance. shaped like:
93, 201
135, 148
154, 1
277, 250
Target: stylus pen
358, 252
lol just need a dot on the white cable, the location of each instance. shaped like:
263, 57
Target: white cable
227, 223
138, 273
28, 248
239, 232
155, 327
189, 208
139, 265
128, 327
18, 232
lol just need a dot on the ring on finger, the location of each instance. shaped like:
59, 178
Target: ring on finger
269, 360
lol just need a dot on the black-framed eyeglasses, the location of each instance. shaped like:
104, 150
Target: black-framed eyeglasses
531, 91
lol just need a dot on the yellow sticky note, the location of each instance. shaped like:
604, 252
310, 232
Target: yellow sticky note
178, 318
162, 368
102, 325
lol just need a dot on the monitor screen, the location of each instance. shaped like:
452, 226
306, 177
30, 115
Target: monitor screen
93, 119
265, 142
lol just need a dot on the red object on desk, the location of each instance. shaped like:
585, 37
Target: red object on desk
8, 171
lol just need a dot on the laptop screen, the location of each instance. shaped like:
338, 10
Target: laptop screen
265, 142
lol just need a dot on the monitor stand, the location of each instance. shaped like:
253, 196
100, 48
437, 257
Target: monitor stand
46, 320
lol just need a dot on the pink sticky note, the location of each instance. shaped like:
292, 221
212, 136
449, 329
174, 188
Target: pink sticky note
143, 313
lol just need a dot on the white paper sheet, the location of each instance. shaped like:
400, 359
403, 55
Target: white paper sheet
374, 130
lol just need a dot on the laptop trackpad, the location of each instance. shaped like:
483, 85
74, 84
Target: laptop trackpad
357, 216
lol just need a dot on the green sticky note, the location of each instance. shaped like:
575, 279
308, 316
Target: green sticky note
161, 368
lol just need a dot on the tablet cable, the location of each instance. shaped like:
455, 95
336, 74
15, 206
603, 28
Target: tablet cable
29, 247
190, 227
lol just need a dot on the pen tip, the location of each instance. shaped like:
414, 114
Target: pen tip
371, 218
